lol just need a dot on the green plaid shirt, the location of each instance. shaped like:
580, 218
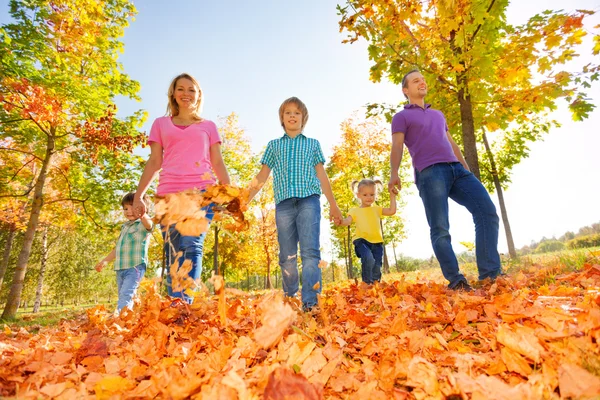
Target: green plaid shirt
293, 163
132, 245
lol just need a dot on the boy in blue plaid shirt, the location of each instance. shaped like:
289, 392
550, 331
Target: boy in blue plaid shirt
130, 253
299, 176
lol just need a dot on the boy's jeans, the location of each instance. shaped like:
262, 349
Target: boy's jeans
436, 184
371, 259
128, 280
298, 220
192, 248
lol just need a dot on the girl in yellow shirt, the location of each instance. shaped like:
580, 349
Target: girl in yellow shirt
368, 239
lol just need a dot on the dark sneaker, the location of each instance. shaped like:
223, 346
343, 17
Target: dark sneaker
307, 308
462, 286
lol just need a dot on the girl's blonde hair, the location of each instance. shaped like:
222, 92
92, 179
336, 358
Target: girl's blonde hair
356, 185
173, 107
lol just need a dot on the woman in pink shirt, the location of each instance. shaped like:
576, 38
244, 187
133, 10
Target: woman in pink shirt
186, 149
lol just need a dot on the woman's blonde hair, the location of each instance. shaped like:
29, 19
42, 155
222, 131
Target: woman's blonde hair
296, 101
356, 185
173, 107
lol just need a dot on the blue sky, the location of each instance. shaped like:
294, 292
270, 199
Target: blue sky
250, 56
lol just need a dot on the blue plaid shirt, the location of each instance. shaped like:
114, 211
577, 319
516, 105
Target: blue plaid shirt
293, 163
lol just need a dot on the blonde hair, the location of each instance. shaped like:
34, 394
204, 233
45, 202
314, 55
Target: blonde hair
376, 183
173, 107
299, 104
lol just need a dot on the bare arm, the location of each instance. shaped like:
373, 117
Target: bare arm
152, 167
334, 211
457, 151
391, 210
110, 257
216, 159
147, 222
394, 184
346, 221
258, 182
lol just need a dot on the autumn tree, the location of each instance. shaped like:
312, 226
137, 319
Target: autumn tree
481, 70
58, 83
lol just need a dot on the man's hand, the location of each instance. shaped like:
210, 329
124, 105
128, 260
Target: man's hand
394, 185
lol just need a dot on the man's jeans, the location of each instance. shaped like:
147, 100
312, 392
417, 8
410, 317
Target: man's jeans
436, 184
371, 259
192, 248
298, 220
128, 280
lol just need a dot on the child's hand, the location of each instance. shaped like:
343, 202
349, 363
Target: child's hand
100, 265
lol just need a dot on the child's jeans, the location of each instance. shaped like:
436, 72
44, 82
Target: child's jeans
298, 220
371, 259
128, 280
192, 248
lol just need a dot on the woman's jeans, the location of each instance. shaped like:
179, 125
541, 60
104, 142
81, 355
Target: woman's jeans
371, 259
436, 184
192, 248
128, 281
298, 220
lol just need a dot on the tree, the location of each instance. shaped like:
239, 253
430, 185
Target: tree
59, 78
482, 71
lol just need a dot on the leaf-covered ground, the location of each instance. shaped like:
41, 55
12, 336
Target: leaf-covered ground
518, 338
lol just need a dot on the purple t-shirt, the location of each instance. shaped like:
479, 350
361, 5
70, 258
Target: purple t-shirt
424, 135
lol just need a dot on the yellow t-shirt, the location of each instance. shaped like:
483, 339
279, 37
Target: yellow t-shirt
367, 223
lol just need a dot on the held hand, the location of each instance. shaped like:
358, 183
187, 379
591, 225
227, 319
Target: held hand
335, 214
394, 185
139, 207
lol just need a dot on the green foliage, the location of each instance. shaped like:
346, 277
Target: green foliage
549, 246
584, 241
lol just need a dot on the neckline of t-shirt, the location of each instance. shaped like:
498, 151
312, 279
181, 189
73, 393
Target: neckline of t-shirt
183, 127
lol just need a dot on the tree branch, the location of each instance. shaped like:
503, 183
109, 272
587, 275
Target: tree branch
479, 27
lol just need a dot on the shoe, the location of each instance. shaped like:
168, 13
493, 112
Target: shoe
462, 286
308, 308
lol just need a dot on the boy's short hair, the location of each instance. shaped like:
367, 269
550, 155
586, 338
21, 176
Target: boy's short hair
128, 199
299, 104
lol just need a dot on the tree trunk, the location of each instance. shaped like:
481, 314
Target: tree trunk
268, 284
350, 266
14, 296
216, 251
394, 250
509, 237
44, 263
7, 248
468, 126
386, 263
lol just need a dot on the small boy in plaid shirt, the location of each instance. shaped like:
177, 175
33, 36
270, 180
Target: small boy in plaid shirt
299, 177
130, 253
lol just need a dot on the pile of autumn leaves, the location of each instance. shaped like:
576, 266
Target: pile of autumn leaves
518, 338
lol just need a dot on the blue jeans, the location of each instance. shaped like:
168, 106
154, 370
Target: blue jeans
128, 280
436, 184
192, 248
371, 259
298, 220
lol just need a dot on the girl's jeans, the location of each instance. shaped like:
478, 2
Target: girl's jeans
128, 280
436, 184
192, 248
371, 259
298, 221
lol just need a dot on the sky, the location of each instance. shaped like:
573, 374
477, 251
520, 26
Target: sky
250, 56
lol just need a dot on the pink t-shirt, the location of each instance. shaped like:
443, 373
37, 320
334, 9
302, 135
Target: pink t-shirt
186, 154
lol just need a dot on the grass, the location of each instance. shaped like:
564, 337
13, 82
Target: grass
48, 316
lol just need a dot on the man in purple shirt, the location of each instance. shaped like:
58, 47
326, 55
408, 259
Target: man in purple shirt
441, 172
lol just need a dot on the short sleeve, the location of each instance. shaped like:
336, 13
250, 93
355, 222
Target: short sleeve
155, 133
213, 133
380, 211
352, 213
318, 157
268, 158
399, 123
